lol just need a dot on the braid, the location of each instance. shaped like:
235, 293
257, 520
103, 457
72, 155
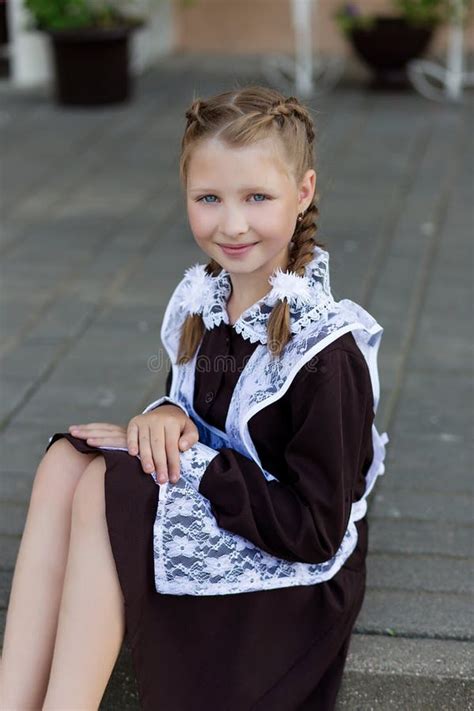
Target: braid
292, 107
192, 114
279, 325
193, 326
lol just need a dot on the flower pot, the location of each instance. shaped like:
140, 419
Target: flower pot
91, 65
387, 47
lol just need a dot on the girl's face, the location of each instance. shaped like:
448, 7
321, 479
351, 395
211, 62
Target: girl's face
244, 196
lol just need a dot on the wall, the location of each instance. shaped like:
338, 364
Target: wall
254, 26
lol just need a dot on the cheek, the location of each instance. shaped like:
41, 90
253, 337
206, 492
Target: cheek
277, 224
201, 221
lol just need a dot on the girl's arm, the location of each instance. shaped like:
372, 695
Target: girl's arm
165, 400
305, 519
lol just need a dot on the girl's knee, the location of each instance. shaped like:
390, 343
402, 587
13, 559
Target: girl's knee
89, 500
59, 470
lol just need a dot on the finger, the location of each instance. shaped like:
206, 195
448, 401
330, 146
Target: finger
172, 453
96, 425
189, 435
87, 430
132, 438
149, 463
157, 438
118, 440
101, 431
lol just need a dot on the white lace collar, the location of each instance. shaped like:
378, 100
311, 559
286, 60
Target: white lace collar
309, 297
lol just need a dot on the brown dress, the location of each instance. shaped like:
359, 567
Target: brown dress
272, 650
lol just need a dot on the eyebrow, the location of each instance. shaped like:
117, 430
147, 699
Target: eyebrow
250, 189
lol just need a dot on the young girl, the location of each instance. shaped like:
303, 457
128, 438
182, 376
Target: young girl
224, 530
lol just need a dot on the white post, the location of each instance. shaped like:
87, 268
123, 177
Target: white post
30, 62
454, 57
302, 23
436, 81
306, 74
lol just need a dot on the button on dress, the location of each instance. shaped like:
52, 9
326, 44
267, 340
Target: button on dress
282, 649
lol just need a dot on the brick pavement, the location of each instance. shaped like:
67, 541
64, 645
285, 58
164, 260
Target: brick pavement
94, 239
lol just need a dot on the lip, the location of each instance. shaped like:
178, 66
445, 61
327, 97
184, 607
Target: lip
234, 250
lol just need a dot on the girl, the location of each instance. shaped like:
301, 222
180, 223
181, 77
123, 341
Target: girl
236, 566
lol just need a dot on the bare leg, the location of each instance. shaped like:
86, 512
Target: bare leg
91, 623
38, 579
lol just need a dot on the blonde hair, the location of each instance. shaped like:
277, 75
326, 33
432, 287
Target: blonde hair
239, 118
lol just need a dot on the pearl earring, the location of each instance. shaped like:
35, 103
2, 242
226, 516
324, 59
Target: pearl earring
300, 217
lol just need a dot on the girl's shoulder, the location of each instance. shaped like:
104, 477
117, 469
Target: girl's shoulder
342, 357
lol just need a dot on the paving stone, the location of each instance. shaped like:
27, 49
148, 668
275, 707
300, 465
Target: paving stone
12, 518
5, 587
441, 461
420, 537
430, 573
407, 504
9, 546
15, 486
386, 673
417, 614
436, 403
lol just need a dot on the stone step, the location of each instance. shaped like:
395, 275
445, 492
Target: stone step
382, 673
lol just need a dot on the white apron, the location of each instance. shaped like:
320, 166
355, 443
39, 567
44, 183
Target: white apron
192, 554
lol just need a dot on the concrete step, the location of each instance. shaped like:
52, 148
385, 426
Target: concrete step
382, 673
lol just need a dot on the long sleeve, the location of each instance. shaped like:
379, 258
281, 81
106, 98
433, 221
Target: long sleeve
304, 517
165, 400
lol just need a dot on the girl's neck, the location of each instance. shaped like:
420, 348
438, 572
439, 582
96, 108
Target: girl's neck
247, 289
244, 293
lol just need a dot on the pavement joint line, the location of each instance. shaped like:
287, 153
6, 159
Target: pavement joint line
111, 134
101, 305
15, 205
414, 592
424, 490
53, 297
369, 632
57, 292
428, 554
419, 150
80, 177
392, 218
415, 519
417, 302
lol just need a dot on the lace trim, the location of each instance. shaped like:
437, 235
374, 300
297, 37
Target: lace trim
309, 298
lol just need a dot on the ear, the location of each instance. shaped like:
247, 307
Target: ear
306, 190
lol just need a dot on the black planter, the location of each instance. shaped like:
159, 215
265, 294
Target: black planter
92, 66
388, 46
3, 23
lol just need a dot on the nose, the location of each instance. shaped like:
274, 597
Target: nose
233, 222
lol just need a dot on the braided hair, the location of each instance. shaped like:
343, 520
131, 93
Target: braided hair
238, 118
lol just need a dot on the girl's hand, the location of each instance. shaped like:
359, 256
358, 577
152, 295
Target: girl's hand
158, 436
101, 434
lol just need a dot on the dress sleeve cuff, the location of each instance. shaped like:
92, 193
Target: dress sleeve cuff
162, 401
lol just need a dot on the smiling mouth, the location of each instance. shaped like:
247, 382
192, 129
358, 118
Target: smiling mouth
237, 247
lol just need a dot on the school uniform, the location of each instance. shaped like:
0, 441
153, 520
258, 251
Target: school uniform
261, 641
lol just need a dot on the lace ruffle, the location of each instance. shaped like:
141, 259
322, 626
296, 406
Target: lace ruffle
309, 298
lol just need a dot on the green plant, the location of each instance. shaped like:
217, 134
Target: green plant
416, 12
76, 14
429, 11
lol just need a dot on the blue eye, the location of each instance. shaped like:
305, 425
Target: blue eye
213, 202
